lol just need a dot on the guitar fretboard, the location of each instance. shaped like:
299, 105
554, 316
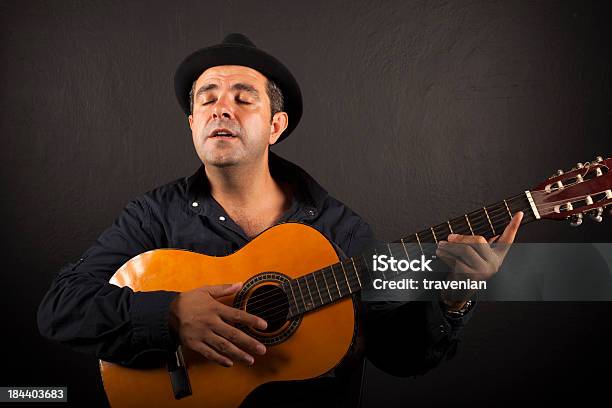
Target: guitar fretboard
337, 281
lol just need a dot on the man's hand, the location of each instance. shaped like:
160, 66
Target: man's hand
202, 323
472, 257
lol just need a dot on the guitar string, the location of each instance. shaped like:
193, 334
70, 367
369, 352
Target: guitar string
267, 296
481, 222
509, 200
342, 286
348, 284
475, 227
476, 220
494, 215
495, 219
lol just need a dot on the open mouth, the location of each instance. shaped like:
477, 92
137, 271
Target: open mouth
221, 133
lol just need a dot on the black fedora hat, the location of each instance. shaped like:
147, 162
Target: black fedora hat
237, 49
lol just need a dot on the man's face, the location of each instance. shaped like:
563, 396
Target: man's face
230, 123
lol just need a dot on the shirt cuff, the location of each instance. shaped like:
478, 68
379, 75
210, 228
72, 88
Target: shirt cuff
442, 325
149, 315
458, 319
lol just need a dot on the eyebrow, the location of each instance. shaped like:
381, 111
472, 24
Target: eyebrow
236, 87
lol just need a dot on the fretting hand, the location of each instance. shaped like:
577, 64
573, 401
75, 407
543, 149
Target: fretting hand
473, 257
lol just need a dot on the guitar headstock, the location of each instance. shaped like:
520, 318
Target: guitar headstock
585, 189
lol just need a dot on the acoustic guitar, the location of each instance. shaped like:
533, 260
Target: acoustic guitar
294, 280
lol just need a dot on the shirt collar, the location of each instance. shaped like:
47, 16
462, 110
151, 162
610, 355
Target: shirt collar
308, 194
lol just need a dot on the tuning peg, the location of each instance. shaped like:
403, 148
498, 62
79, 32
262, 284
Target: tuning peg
596, 214
598, 159
559, 172
576, 220
579, 165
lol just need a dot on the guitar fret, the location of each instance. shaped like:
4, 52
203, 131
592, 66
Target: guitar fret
309, 293
301, 294
383, 274
346, 278
390, 253
489, 219
335, 280
468, 223
450, 227
356, 272
326, 285
508, 209
317, 285
434, 235
499, 220
405, 251
416, 234
297, 307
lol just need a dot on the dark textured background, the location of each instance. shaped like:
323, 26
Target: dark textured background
414, 111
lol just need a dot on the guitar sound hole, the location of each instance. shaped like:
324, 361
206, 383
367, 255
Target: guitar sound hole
270, 303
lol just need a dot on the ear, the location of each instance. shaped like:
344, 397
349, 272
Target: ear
191, 122
280, 121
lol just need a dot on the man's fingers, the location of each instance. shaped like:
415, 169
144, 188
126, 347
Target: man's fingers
227, 349
477, 242
447, 258
211, 354
218, 291
466, 239
459, 267
462, 252
238, 316
239, 338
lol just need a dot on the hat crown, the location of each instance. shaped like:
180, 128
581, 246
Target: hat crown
238, 39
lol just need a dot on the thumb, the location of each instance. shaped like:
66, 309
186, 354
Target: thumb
227, 289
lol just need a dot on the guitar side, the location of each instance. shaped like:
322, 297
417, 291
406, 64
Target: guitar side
320, 342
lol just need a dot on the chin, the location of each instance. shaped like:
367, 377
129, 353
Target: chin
221, 160
222, 163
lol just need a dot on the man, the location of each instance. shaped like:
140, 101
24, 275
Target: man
239, 101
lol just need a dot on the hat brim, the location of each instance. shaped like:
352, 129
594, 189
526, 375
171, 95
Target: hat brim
235, 54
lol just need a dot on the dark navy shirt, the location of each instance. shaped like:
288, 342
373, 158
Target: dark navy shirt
84, 311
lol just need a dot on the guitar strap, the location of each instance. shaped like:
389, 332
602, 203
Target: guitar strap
179, 377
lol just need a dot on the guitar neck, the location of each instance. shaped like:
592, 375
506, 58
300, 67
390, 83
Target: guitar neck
488, 221
337, 281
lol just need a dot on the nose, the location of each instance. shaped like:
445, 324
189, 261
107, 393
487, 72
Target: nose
222, 108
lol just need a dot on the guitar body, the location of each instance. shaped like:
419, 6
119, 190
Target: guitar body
301, 349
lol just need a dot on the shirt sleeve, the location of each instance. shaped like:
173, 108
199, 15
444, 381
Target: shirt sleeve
84, 311
405, 338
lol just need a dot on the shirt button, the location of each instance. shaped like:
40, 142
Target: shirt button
310, 213
194, 204
221, 218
